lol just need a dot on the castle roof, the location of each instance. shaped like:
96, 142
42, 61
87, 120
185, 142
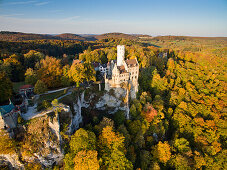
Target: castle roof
131, 62
121, 69
27, 86
77, 61
6, 108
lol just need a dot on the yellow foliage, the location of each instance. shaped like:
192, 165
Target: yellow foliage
7, 145
162, 152
86, 160
111, 139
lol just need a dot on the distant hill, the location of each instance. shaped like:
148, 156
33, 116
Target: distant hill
69, 36
19, 36
115, 35
170, 37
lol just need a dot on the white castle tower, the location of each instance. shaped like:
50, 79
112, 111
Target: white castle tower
120, 54
122, 71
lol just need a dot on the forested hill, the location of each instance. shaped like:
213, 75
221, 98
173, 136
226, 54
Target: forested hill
68, 36
19, 36
188, 38
116, 35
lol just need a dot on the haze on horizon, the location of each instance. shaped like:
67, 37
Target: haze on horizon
152, 17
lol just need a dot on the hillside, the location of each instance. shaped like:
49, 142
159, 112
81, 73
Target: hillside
115, 35
69, 36
19, 36
170, 37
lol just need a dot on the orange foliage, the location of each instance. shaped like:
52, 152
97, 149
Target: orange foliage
149, 113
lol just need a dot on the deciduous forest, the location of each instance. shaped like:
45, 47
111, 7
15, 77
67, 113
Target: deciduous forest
177, 121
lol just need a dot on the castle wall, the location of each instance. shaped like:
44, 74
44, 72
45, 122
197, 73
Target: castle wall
2, 123
10, 119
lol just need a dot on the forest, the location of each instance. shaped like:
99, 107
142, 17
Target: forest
177, 121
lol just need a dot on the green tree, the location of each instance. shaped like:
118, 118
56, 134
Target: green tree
31, 58
12, 66
180, 162
182, 145
112, 148
40, 87
65, 79
6, 87
82, 140
89, 72
119, 117
30, 76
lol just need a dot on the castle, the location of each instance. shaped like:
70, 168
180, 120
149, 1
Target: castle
122, 71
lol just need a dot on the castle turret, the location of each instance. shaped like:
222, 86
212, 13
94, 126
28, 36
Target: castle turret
120, 54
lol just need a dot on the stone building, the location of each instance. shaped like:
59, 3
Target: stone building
8, 116
26, 90
121, 71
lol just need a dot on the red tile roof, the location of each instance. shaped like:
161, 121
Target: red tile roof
26, 86
131, 62
121, 69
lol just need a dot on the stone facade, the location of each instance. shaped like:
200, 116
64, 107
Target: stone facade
122, 71
8, 116
9, 120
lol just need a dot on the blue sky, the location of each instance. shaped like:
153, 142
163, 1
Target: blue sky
153, 17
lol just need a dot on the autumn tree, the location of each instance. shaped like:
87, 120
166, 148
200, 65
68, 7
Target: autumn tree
77, 73
182, 145
162, 152
66, 79
50, 72
13, 67
149, 112
82, 150
89, 72
40, 87
86, 160
30, 76
111, 146
104, 123
6, 87
31, 58
82, 140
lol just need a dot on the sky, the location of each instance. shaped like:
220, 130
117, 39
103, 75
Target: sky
152, 17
